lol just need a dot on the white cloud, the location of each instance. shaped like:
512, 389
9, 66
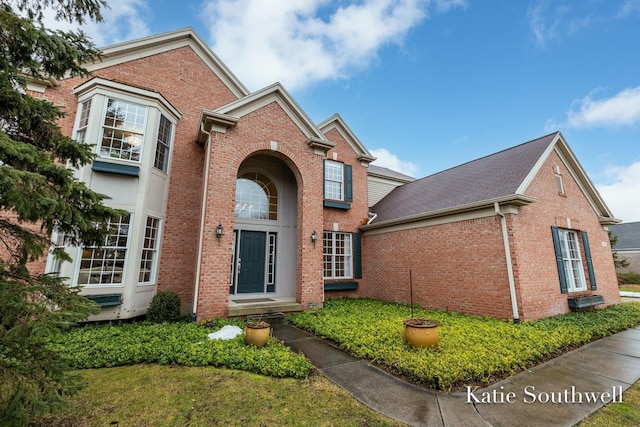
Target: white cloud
623, 194
387, 160
302, 42
622, 109
123, 20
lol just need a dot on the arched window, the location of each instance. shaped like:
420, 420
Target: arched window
256, 197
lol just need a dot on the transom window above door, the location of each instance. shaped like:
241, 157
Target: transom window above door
256, 197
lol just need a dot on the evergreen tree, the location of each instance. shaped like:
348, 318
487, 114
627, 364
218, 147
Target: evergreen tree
39, 194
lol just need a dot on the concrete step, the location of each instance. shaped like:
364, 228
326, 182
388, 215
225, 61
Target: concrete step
264, 308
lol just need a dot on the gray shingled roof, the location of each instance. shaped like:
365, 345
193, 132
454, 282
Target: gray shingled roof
389, 173
494, 176
628, 235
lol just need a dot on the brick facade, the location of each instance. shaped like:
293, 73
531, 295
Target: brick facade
461, 265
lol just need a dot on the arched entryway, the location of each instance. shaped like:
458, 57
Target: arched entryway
264, 237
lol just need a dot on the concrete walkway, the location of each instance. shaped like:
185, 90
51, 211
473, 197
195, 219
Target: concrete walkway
609, 365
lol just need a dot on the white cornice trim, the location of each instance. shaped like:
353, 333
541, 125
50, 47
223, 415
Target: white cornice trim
509, 202
111, 86
153, 45
273, 93
336, 122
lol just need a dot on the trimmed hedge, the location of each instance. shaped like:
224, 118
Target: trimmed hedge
471, 349
184, 343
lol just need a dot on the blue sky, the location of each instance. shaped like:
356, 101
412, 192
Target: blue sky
427, 85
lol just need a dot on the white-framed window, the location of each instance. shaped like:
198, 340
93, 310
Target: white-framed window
333, 180
572, 260
83, 121
54, 264
337, 255
256, 197
123, 130
148, 259
163, 144
105, 265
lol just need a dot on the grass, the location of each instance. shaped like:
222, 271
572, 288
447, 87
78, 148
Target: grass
626, 413
472, 350
156, 395
629, 288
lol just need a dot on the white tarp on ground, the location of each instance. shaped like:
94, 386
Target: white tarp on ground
226, 333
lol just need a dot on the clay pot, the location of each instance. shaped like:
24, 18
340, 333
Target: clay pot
421, 332
257, 333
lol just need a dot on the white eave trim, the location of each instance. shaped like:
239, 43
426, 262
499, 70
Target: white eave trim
511, 200
116, 87
210, 121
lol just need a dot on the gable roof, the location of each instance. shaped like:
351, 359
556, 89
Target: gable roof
336, 122
501, 177
228, 115
628, 235
153, 45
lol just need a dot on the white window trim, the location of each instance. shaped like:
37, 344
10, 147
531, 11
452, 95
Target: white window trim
348, 256
78, 263
342, 180
153, 276
574, 284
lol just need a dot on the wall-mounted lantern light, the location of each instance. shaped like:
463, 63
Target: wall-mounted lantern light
219, 231
314, 236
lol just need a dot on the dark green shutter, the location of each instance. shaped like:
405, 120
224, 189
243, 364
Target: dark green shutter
559, 261
357, 256
348, 184
587, 255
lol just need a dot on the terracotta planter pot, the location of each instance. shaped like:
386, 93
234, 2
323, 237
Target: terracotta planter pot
257, 334
421, 332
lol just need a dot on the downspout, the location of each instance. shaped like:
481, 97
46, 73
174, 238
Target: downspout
202, 224
507, 251
372, 217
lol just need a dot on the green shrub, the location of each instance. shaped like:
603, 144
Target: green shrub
471, 349
628, 278
181, 343
164, 307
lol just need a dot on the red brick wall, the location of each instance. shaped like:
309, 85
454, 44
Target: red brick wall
252, 135
190, 86
350, 219
532, 246
461, 266
458, 266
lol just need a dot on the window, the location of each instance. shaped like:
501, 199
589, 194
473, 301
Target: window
573, 269
123, 130
256, 197
162, 145
85, 110
54, 263
337, 255
559, 182
338, 187
333, 180
149, 251
104, 265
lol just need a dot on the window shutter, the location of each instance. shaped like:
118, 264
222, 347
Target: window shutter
559, 261
348, 184
357, 256
587, 255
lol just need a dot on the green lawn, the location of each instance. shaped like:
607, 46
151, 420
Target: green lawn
194, 388
472, 350
157, 395
626, 413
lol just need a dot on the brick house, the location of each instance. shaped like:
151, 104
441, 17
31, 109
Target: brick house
518, 234
241, 204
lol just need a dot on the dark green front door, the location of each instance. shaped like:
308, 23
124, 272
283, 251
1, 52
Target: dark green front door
251, 255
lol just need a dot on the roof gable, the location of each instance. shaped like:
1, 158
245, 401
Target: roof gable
153, 45
500, 177
336, 122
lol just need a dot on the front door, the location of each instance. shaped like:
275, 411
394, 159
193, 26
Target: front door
251, 261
